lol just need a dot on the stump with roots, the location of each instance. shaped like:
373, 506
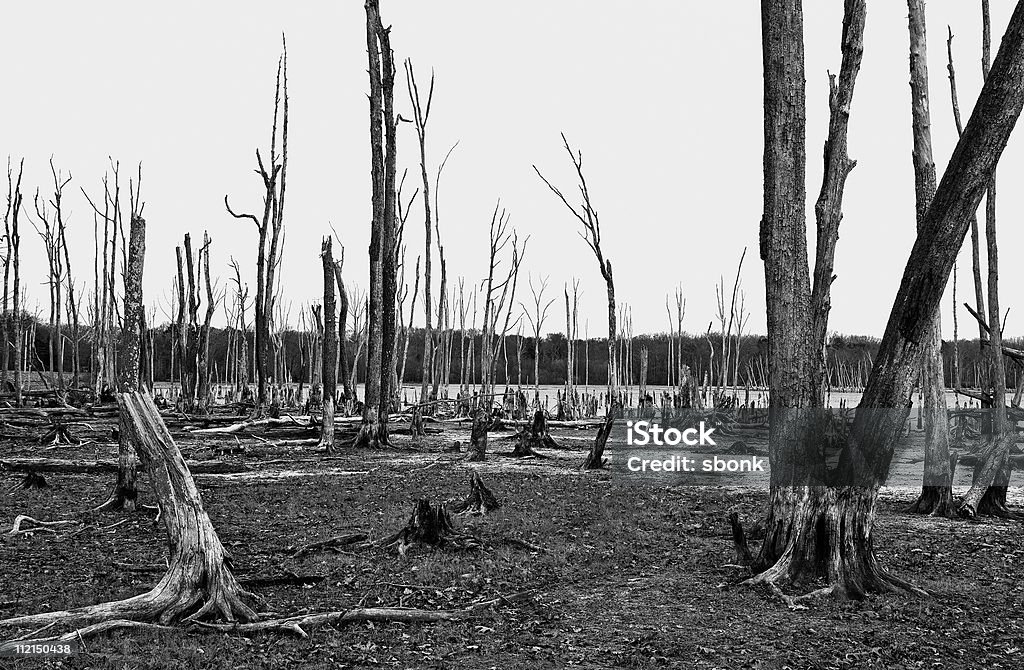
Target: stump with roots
595, 459
480, 500
534, 437
429, 525
478, 435
199, 584
57, 434
821, 533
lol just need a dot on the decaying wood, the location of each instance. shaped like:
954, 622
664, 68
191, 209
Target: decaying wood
478, 435
330, 349
937, 489
595, 458
480, 500
429, 525
535, 437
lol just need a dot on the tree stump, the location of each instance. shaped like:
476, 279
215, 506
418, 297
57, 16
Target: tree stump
534, 437
57, 434
480, 500
742, 551
429, 525
595, 459
478, 436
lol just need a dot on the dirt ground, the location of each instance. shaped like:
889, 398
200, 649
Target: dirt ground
631, 576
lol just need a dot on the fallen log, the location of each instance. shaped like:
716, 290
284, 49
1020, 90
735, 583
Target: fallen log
81, 466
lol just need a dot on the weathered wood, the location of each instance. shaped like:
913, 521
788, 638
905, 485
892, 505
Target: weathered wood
85, 466
936, 492
330, 349
478, 435
199, 583
479, 501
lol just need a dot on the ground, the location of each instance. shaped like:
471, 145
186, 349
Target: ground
633, 576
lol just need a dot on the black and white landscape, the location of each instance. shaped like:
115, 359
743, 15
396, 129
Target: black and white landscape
537, 334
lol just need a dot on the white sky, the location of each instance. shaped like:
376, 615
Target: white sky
664, 99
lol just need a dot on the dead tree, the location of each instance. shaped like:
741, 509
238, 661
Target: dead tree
421, 115
587, 216
330, 348
571, 332
203, 344
595, 459
269, 226
536, 319
125, 492
534, 437
478, 434
241, 355
12, 261
991, 478
499, 296
479, 502
348, 385
199, 584
382, 291
937, 489
820, 521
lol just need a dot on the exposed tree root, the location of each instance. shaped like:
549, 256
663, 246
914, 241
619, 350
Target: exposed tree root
330, 543
480, 500
82, 633
294, 625
26, 524
937, 501
373, 433
822, 533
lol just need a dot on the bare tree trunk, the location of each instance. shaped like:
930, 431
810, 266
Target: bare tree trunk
203, 357
937, 489
330, 348
820, 522
381, 311
125, 492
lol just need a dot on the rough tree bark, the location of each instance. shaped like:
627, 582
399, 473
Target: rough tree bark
330, 349
937, 488
381, 312
821, 525
125, 493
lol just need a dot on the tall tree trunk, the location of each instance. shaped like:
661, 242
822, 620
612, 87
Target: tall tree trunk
380, 313
937, 488
330, 349
820, 522
125, 491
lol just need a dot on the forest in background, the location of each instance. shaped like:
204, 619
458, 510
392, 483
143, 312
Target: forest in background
849, 357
